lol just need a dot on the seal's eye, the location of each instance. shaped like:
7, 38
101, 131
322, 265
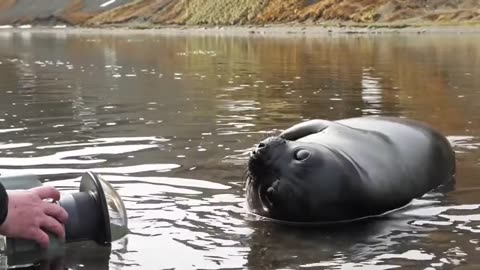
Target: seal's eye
301, 154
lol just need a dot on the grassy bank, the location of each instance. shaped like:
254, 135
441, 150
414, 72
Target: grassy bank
161, 13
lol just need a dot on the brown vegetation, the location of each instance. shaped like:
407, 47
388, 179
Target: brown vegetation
136, 10
6, 4
216, 12
234, 12
74, 14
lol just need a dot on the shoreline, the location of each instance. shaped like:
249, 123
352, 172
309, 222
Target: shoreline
306, 30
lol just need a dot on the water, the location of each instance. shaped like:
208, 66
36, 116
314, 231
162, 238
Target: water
169, 121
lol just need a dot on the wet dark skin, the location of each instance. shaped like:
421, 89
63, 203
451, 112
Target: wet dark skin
331, 171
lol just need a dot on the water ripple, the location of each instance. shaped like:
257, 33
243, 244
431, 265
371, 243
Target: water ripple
80, 156
91, 104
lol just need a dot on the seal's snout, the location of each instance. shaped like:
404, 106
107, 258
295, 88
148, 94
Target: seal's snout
259, 147
267, 144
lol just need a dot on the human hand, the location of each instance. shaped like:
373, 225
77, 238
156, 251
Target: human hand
30, 217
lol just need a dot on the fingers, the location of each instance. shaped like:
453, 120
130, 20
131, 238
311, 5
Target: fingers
54, 215
52, 225
40, 237
46, 192
56, 211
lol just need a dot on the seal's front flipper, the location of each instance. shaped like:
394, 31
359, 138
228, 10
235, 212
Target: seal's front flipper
304, 129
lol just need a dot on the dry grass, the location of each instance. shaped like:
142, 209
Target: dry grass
73, 13
240, 12
6, 4
220, 12
136, 10
235, 12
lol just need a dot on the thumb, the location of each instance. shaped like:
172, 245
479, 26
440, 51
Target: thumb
46, 193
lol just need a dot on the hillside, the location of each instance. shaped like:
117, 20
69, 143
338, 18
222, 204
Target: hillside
152, 13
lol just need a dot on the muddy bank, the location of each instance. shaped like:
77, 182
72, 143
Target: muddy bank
154, 13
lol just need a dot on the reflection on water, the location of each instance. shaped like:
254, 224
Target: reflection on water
169, 121
371, 94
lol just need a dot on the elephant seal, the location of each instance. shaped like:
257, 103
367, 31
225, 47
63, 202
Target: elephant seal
322, 171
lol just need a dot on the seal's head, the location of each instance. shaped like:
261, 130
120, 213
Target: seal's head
299, 182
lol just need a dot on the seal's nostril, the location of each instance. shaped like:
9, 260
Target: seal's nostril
261, 145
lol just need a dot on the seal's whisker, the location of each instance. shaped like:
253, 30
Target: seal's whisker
246, 176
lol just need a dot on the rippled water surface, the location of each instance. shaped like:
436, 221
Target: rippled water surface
169, 121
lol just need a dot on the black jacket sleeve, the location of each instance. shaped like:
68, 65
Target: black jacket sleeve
3, 204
